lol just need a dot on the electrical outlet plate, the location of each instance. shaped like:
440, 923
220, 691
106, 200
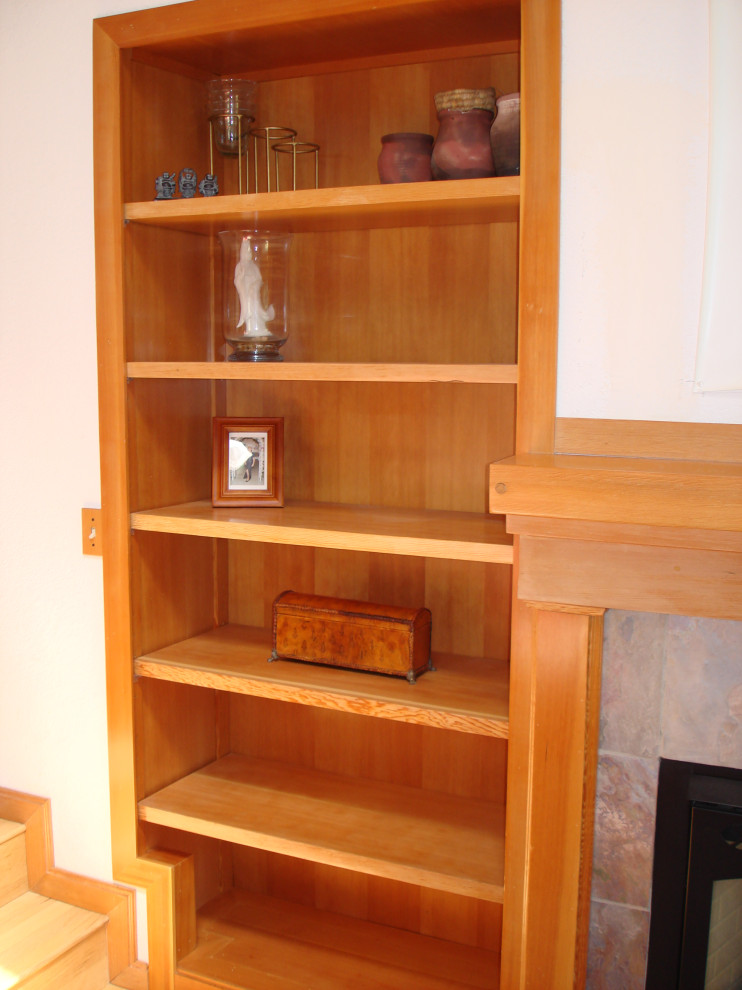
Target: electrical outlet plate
92, 530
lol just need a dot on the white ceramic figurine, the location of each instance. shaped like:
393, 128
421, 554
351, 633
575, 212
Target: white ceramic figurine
248, 281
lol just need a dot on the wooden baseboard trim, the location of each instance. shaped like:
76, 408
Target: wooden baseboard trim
647, 438
35, 814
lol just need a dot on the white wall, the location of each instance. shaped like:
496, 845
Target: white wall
634, 169
633, 215
52, 687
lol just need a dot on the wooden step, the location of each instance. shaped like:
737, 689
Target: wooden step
134, 977
46, 944
13, 871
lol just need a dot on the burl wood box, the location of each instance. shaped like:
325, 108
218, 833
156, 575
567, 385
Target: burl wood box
346, 633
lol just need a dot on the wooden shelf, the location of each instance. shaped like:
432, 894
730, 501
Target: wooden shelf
225, 40
448, 535
409, 204
421, 837
468, 694
300, 371
255, 941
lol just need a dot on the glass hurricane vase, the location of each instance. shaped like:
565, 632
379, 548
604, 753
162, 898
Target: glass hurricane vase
255, 293
231, 110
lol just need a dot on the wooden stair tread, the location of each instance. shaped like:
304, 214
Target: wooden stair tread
134, 977
8, 830
35, 930
13, 868
269, 944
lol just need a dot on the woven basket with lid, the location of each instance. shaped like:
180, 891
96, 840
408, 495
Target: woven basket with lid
466, 99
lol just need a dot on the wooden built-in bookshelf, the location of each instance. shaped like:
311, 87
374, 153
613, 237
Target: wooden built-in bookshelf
302, 825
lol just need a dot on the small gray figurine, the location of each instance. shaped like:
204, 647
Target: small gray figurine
165, 185
208, 186
187, 183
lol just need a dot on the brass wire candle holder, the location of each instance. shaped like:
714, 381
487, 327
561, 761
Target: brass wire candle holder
269, 135
296, 148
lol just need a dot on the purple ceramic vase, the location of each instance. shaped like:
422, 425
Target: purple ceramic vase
462, 148
505, 135
405, 157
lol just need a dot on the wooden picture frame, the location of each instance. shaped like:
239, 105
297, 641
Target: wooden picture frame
253, 475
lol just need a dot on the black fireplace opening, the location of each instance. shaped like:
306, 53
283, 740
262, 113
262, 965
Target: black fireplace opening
695, 931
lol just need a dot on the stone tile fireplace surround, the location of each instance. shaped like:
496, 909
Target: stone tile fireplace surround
671, 687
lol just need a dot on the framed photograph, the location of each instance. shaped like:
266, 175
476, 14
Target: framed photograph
247, 465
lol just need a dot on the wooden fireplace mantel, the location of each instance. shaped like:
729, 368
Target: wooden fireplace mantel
591, 533
704, 495
630, 533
